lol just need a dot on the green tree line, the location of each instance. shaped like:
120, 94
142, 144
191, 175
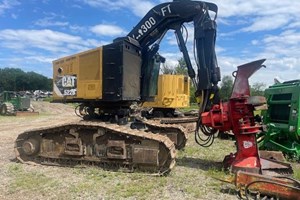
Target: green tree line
257, 89
15, 79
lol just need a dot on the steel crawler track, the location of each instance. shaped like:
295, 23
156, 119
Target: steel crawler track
177, 134
97, 143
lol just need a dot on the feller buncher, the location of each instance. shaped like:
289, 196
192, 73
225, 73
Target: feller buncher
106, 80
173, 92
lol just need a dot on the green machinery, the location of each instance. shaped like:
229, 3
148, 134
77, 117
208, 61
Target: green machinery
281, 120
11, 103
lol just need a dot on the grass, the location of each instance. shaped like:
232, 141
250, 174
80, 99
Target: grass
113, 185
192, 106
32, 181
6, 118
296, 168
48, 99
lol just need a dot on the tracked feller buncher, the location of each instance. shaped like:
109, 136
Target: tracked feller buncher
105, 81
173, 93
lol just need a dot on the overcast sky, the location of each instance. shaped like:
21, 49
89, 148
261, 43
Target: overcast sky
35, 32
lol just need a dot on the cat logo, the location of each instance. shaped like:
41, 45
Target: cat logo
167, 101
68, 81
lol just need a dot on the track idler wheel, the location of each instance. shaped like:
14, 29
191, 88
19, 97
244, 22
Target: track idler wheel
31, 147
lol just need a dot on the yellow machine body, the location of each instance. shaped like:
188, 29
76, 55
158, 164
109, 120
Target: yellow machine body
173, 92
79, 75
110, 73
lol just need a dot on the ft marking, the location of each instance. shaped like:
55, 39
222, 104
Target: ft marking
165, 10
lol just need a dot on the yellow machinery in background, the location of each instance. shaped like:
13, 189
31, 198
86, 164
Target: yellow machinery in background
173, 92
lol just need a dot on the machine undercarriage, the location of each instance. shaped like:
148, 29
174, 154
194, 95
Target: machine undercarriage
97, 143
110, 138
129, 117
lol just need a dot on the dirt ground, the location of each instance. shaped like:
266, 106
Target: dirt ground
191, 178
11, 126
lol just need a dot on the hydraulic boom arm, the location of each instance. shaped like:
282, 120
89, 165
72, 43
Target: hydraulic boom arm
171, 16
